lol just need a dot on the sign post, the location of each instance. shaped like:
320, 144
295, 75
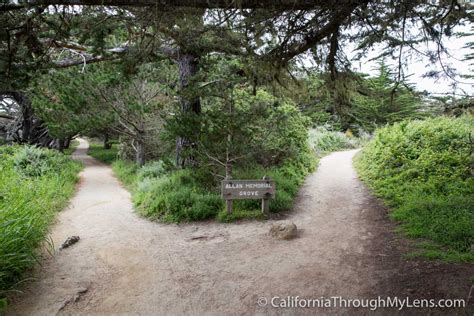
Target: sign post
228, 202
265, 198
248, 189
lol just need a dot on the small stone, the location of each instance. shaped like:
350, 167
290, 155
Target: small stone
74, 298
284, 231
82, 290
69, 242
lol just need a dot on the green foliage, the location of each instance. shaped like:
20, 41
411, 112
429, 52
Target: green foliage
72, 147
67, 101
424, 169
105, 155
34, 185
168, 195
175, 197
241, 127
322, 140
359, 102
237, 125
32, 161
275, 143
225, 217
126, 172
384, 101
154, 169
288, 178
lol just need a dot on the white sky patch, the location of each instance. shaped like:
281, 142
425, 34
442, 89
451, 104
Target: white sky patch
417, 67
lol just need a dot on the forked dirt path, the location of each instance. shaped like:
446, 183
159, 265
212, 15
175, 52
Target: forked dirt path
129, 265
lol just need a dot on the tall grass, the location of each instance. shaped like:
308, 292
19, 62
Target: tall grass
34, 185
105, 155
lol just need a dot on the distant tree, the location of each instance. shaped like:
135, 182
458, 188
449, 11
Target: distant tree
382, 99
64, 99
137, 104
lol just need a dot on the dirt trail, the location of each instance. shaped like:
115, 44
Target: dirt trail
132, 266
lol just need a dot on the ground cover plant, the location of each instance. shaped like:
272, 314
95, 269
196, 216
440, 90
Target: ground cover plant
163, 192
424, 171
34, 185
106, 155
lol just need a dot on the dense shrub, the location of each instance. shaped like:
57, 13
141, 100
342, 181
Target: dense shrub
154, 169
259, 129
175, 197
126, 172
324, 140
161, 193
34, 184
424, 169
30, 161
100, 153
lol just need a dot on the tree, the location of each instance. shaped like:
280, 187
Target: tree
137, 104
65, 101
382, 99
270, 35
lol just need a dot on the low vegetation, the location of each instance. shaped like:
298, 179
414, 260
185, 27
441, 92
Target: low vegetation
162, 192
424, 171
72, 147
34, 184
324, 140
186, 195
102, 154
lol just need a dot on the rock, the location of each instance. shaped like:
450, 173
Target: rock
74, 298
284, 231
69, 242
82, 290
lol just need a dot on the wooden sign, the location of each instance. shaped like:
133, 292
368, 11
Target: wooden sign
248, 189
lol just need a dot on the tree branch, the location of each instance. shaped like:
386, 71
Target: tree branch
8, 117
205, 4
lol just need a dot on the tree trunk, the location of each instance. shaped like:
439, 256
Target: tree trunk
26, 127
20, 130
190, 103
60, 144
140, 153
107, 144
67, 142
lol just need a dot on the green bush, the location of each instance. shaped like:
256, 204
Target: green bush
30, 161
193, 194
323, 140
154, 169
225, 217
175, 197
34, 184
107, 156
72, 147
288, 179
126, 172
424, 169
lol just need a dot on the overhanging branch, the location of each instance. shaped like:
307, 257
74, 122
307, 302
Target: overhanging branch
207, 4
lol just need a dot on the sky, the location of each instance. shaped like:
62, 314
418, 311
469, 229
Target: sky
418, 67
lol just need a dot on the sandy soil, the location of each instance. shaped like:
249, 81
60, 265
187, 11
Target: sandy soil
124, 264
